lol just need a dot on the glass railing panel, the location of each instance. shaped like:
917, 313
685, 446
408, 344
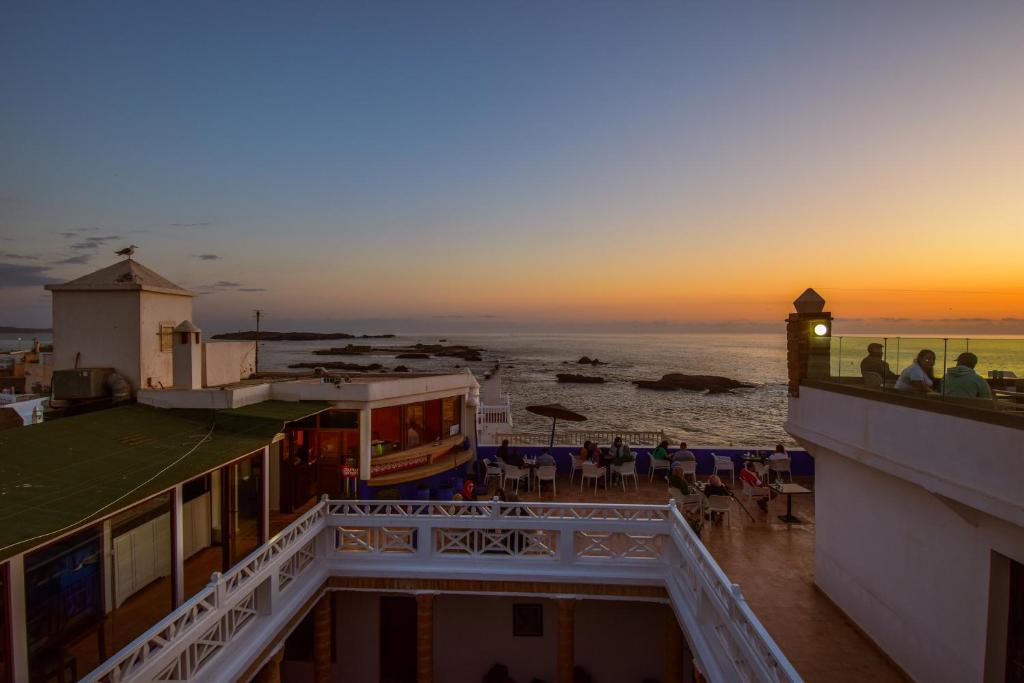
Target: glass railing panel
999, 383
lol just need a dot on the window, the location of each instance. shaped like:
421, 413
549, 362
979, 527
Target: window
451, 411
166, 336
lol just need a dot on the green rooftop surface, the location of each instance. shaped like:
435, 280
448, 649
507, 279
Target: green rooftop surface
57, 475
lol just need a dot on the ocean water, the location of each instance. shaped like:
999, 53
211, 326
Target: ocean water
529, 362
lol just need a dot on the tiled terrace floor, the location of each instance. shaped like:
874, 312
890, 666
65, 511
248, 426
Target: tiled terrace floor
774, 565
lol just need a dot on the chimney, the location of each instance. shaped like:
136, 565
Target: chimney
188, 356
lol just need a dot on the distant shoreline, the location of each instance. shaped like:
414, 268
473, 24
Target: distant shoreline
252, 335
25, 330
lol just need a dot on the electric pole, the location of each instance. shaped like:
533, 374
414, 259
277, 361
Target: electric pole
258, 313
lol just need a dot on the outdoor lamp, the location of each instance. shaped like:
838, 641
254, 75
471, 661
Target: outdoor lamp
820, 329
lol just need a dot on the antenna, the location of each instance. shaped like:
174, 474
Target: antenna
258, 312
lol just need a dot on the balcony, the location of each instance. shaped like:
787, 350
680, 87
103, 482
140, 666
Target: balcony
224, 631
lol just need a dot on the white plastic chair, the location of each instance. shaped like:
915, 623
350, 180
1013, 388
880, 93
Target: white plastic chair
752, 492
546, 473
723, 505
683, 500
575, 464
591, 471
686, 468
725, 464
516, 474
657, 465
626, 469
492, 469
780, 467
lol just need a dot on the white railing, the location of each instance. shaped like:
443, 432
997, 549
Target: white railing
189, 638
577, 438
494, 414
243, 610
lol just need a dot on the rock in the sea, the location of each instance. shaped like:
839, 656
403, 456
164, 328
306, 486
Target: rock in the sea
677, 380
401, 368
585, 360
339, 365
656, 385
567, 378
414, 356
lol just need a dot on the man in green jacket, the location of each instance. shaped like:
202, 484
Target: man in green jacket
963, 382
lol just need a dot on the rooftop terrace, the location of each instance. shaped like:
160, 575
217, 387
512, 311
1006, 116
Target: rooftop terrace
60, 474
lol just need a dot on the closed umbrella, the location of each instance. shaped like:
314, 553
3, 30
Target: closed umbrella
556, 411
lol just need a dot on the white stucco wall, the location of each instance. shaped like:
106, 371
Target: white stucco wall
615, 641
621, 641
228, 361
357, 632
472, 633
156, 366
910, 506
102, 326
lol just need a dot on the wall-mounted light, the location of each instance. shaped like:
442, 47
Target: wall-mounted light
820, 329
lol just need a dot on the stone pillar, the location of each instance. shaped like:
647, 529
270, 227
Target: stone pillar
322, 639
271, 671
424, 638
566, 640
808, 352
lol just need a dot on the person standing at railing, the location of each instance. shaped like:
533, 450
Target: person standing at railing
963, 382
917, 377
873, 362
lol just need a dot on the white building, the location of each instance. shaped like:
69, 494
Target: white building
123, 317
920, 517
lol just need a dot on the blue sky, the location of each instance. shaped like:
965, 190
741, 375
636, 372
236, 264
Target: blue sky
530, 161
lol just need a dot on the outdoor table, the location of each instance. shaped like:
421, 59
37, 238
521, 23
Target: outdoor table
790, 490
531, 467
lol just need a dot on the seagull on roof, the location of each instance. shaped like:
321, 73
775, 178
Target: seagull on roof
127, 251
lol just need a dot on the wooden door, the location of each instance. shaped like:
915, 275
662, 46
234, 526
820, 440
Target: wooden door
397, 639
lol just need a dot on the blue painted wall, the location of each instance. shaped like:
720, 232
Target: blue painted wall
801, 462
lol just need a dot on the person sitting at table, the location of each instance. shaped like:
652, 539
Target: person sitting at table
514, 458
873, 363
584, 452
917, 377
683, 454
677, 481
620, 452
963, 382
502, 451
779, 454
661, 452
716, 487
749, 476
545, 458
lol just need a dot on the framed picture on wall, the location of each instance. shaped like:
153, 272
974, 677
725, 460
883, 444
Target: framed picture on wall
528, 620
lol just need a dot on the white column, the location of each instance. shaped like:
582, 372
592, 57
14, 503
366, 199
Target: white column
19, 636
178, 545
365, 432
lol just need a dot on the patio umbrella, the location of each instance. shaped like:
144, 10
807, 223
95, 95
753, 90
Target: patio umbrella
556, 411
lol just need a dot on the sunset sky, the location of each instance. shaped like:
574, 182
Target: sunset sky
522, 164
